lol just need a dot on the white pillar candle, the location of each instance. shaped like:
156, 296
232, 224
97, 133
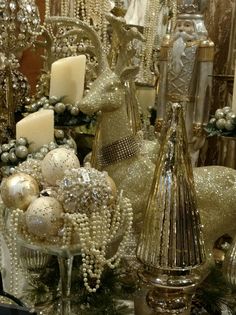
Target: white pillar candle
67, 78
38, 128
234, 92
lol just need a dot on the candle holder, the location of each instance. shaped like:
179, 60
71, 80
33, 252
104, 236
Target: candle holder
65, 258
20, 25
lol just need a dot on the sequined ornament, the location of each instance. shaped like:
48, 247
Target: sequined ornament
85, 190
19, 190
56, 162
44, 217
171, 238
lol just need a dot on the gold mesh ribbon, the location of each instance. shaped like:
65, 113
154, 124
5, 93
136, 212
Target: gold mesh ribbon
119, 150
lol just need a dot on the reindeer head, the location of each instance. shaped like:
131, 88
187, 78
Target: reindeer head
107, 92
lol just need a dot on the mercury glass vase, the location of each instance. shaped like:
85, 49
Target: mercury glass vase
171, 242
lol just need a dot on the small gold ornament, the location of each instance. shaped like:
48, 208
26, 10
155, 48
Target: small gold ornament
56, 162
19, 190
112, 185
44, 217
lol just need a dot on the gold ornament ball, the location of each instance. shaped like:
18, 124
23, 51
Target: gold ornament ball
56, 162
19, 190
112, 184
43, 217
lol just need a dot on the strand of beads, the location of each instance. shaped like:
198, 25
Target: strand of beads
92, 264
174, 11
12, 246
150, 26
127, 219
47, 8
68, 227
104, 24
95, 233
2, 230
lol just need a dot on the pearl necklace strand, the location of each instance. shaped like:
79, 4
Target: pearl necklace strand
96, 233
47, 8
1, 236
173, 7
11, 240
150, 26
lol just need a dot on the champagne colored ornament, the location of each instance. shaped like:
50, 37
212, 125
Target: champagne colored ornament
19, 190
112, 185
44, 217
171, 238
56, 162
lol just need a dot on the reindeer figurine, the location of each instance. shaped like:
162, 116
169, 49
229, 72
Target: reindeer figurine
118, 150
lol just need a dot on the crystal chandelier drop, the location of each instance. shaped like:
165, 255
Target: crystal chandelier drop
19, 27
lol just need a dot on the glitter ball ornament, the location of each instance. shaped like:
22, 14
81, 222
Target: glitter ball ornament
19, 190
85, 190
56, 162
31, 167
44, 217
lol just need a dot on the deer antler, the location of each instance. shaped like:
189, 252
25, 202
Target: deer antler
124, 37
90, 33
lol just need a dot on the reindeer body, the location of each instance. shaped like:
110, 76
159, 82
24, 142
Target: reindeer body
132, 175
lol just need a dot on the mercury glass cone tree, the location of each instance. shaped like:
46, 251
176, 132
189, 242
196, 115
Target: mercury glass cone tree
171, 238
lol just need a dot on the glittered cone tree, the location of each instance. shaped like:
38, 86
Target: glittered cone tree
171, 243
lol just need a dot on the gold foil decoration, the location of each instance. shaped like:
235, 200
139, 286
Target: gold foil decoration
171, 238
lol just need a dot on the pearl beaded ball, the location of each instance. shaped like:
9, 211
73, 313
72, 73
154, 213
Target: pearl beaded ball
56, 162
44, 217
19, 190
